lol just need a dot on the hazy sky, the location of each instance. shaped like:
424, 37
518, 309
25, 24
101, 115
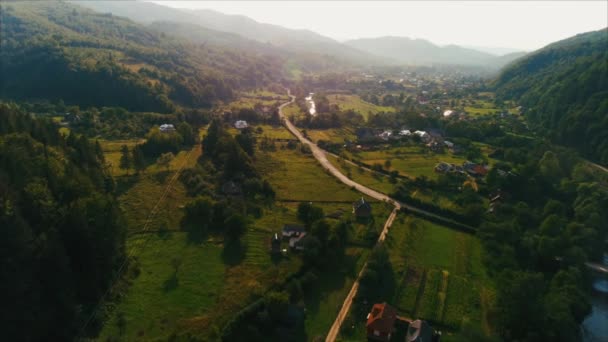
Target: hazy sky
514, 24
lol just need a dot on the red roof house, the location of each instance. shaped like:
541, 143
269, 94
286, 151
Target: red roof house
381, 322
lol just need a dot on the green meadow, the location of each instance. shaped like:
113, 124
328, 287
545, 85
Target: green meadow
354, 102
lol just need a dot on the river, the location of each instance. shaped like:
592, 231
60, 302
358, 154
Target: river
595, 326
311, 104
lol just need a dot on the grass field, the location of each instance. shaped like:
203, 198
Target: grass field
359, 175
296, 176
334, 135
412, 161
162, 295
273, 132
439, 271
354, 102
293, 110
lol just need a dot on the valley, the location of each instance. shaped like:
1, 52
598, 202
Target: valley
185, 174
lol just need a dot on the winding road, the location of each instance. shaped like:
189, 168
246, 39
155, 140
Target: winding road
321, 156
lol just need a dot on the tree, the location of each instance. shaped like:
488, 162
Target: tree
139, 161
387, 164
276, 304
125, 158
309, 213
234, 226
187, 133
519, 303
165, 160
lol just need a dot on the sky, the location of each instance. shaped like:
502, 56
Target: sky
525, 25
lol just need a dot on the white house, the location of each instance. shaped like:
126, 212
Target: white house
448, 112
424, 136
167, 128
448, 144
240, 124
405, 132
385, 135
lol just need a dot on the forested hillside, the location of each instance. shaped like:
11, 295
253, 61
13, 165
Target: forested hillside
564, 89
55, 50
307, 49
62, 234
404, 50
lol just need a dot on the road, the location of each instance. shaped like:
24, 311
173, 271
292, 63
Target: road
597, 267
321, 156
598, 166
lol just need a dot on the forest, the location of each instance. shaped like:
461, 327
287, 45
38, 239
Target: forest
58, 51
63, 234
564, 91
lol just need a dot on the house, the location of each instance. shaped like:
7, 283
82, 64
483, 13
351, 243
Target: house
443, 167
381, 322
405, 132
419, 331
448, 113
448, 144
275, 244
165, 128
230, 188
385, 135
435, 146
362, 208
474, 169
240, 124
424, 136
291, 230
297, 242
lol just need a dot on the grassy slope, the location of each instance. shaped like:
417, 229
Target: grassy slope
161, 301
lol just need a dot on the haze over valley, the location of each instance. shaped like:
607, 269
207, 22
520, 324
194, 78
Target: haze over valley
304, 171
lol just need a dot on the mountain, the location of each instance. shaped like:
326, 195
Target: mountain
296, 42
564, 87
494, 50
56, 50
422, 52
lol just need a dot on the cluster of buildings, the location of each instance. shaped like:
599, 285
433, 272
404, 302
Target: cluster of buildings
468, 167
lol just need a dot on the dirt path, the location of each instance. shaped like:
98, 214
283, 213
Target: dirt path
348, 301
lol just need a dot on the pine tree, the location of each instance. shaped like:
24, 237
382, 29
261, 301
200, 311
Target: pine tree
125, 159
139, 162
